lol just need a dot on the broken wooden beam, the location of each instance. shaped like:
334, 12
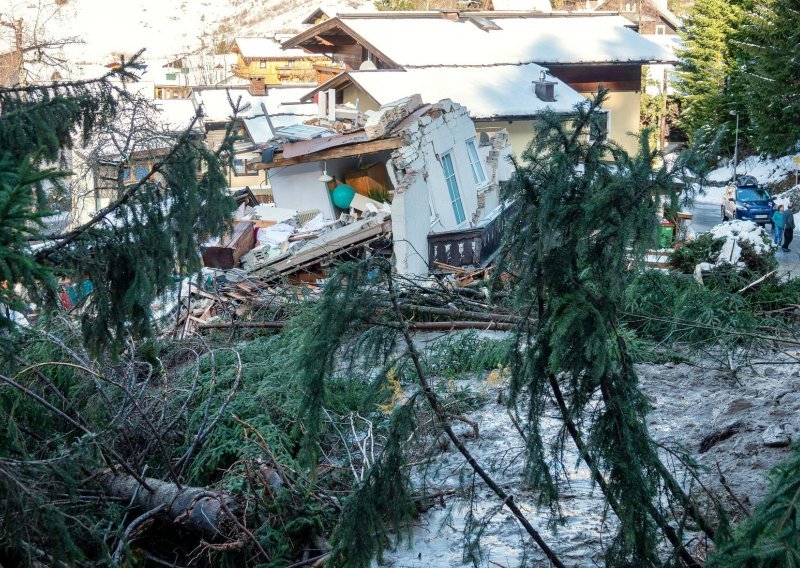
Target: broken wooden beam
358, 149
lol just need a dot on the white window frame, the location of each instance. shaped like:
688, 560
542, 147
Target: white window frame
452, 188
478, 173
661, 29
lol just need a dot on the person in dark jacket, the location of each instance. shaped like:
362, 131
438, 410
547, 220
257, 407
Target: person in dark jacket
788, 227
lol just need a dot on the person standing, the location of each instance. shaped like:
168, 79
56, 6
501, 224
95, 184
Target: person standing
777, 225
788, 227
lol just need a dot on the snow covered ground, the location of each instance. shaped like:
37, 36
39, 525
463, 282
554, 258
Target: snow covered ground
165, 27
691, 401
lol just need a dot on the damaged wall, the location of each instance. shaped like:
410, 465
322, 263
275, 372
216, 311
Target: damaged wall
422, 202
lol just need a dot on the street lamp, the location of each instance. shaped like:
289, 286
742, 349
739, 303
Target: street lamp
735, 144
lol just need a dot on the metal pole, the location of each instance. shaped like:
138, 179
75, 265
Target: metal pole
736, 147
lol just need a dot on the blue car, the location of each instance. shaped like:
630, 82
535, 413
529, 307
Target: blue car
748, 201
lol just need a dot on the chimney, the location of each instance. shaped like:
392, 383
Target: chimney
257, 87
544, 89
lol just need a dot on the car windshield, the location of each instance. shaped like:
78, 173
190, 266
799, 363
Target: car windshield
752, 194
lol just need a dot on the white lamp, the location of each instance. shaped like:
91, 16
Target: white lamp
325, 178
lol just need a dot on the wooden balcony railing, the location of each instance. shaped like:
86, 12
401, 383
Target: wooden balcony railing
469, 247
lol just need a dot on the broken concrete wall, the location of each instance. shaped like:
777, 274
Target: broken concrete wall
422, 202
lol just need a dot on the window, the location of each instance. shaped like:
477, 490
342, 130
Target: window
239, 168
661, 29
452, 188
598, 128
140, 172
171, 76
131, 174
475, 162
262, 64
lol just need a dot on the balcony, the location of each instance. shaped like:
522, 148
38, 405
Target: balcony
469, 247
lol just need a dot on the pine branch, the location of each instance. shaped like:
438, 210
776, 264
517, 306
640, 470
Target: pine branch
441, 414
68, 238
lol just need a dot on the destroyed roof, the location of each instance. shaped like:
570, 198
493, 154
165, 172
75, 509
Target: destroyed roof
266, 48
426, 39
488, 92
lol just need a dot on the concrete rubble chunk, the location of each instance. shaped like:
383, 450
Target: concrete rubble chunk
378, 124
776, 437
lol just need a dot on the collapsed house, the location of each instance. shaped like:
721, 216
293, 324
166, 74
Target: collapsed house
411, 179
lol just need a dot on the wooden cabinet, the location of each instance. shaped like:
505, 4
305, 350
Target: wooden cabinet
370, 181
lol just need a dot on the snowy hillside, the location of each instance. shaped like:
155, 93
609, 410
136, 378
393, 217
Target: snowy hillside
164, 27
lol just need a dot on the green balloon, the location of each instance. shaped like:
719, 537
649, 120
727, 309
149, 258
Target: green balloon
342, 196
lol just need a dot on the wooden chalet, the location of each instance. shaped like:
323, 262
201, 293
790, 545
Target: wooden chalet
263, 59
610, 53
651, 17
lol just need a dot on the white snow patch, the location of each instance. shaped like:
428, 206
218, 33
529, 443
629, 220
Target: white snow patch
737, 232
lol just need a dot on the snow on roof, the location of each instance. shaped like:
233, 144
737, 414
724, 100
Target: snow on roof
176, 114
331, 10
522, 5
429, 41
487, 92
266, 48
216, 106
672, 42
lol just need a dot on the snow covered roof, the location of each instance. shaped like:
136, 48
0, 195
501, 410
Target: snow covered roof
330, 10
487, 92
672, 42
426, 39
176, 114
278, 101
265, 48
522, 5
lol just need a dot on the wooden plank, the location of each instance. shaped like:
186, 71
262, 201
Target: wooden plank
322, 143
317, 254
360, 149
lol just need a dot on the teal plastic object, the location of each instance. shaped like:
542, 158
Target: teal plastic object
342, 196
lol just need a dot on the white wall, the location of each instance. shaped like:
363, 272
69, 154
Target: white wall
421, 202
297, 187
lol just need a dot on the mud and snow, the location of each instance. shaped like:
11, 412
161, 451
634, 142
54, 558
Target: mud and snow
744, 421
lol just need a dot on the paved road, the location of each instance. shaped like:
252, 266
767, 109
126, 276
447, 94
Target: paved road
706, 215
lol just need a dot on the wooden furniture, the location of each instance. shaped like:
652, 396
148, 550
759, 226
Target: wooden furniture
369, 181
231, 248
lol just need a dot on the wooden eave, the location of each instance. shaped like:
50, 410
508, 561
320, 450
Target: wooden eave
349, 151
341, 80
333, 31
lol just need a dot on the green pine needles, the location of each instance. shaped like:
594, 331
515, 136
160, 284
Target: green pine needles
771, 535
585, 211
130, 250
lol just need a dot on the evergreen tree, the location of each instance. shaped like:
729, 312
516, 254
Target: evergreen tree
580, 223
130, 250
707, 65
768, 44
771, 535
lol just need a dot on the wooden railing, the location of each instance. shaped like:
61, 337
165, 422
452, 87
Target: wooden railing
469, 247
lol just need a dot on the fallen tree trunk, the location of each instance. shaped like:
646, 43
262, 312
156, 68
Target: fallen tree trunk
194, 508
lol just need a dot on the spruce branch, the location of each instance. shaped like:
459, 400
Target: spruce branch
444, 419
